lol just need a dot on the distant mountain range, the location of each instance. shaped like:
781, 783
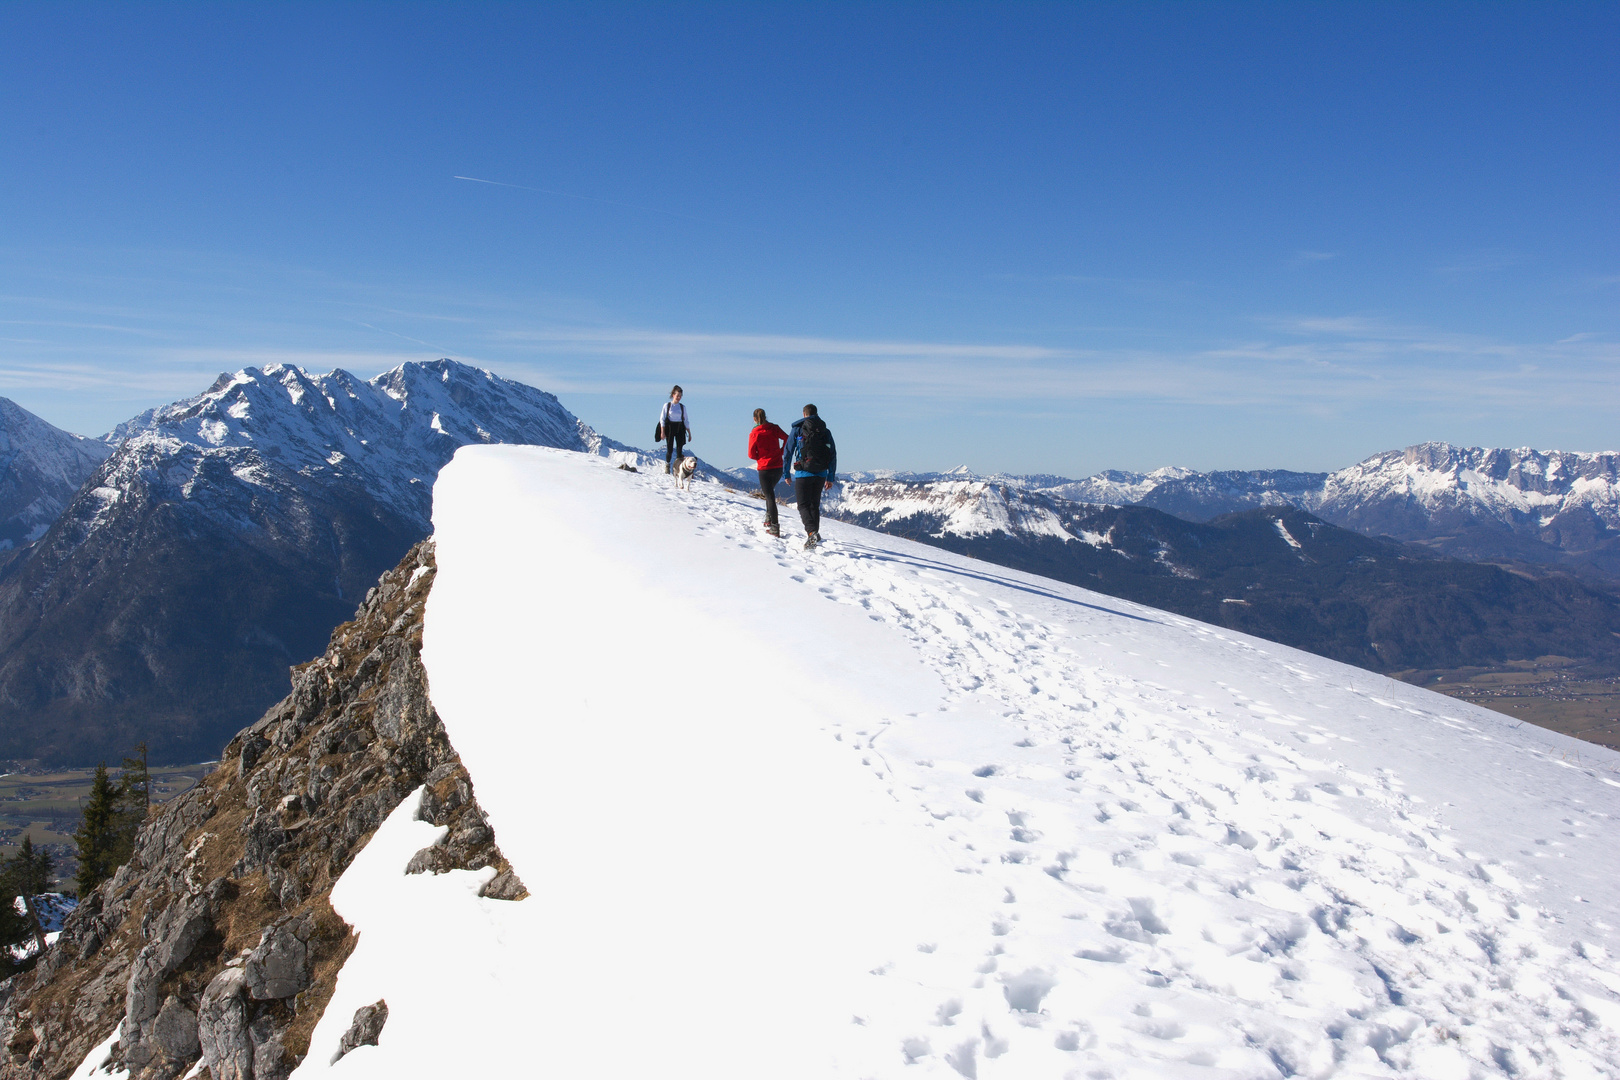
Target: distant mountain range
1554, 509
156, 584
1279, 573
220, 541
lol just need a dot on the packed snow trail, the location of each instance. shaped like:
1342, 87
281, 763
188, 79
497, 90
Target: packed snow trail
877, 810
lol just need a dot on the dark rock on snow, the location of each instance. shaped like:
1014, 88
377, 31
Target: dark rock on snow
367, 1026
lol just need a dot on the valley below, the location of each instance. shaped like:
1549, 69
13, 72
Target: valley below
1571, 697
45, 804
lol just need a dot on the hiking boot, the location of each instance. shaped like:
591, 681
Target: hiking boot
811, 541
771, 529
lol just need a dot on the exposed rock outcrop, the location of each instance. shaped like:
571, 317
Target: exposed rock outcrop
216, 940
366, 1028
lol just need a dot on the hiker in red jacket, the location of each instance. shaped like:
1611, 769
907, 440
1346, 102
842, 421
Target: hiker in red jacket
765, 450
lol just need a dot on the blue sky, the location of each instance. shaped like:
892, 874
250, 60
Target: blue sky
1053, 238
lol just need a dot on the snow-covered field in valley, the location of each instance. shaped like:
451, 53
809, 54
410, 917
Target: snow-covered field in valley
879, 811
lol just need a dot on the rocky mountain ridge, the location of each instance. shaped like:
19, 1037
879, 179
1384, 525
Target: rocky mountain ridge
216, 944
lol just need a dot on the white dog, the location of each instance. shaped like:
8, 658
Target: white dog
684, 471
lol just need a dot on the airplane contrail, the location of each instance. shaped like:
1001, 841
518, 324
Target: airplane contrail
588, 198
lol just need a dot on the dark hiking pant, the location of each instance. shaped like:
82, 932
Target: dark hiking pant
807, 493
767, 485
674, 441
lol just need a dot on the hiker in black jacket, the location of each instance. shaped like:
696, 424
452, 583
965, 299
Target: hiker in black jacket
812, 462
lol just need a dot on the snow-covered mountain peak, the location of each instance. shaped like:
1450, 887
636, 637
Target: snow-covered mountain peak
392, 432
1476, 502
41, 466
1517, 487
964, 508
1117, 487
48, 449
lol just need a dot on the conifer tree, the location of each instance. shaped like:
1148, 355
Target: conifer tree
133, 804
97, 838
25, 875
135, 785
14, 928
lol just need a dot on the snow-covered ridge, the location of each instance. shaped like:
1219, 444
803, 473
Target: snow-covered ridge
964, 508
1512, 487
961, 472
952, 821
1111, 487
1541, 505
1508, 485
1114, 487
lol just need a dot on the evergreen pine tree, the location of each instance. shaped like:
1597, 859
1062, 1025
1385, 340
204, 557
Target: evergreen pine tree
27, 874
14, 928
97, 836
135, 785
22, 877
133, 803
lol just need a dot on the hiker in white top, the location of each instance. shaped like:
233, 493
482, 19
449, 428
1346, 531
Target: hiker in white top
676, 425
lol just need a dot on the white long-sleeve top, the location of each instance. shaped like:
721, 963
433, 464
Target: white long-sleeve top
676, 412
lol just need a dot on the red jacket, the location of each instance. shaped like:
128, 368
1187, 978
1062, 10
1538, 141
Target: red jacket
765, 446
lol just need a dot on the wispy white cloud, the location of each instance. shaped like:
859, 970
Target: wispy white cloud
58, 324
178, 372
161, 341
1307, 258
1320, 362
673, 343
1304, 362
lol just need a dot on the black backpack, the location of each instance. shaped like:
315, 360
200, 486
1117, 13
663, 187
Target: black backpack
815, 451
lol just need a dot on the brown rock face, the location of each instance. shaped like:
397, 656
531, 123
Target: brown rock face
216, 940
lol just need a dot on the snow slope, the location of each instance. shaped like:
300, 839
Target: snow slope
880, 811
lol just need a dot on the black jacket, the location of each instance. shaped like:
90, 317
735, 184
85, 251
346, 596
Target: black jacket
792, 448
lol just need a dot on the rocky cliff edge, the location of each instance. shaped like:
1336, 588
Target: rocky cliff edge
215, 947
